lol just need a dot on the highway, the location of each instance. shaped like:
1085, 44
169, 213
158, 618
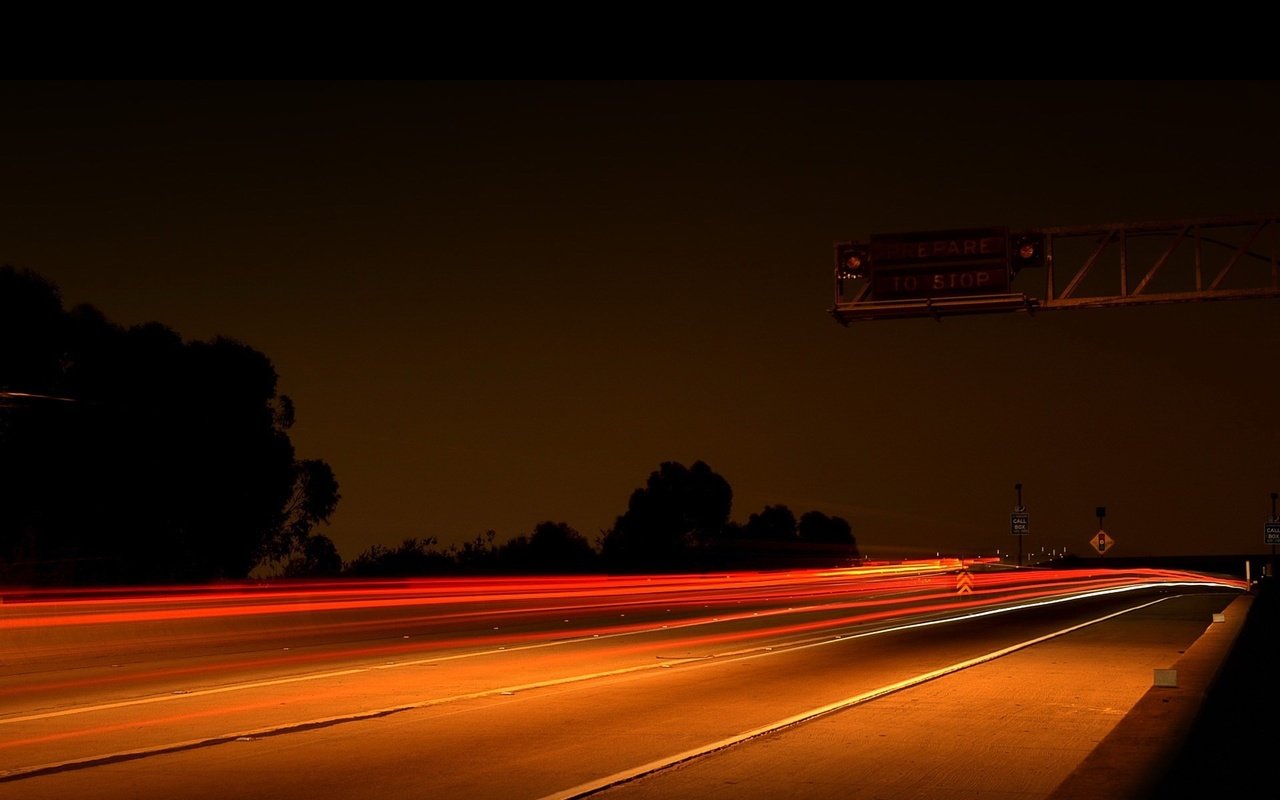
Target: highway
891, 680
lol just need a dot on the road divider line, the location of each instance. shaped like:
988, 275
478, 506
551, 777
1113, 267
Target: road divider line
294, 727
522, 648
185, 695
312, 676
599, 785
582, 790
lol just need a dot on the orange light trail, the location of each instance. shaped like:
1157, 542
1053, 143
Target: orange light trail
450, 610
132, 725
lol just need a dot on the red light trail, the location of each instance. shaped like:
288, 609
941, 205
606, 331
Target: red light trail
86, 670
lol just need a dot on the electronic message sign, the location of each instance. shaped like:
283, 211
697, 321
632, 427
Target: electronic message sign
929, 264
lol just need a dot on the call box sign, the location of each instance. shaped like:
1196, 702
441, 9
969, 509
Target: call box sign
1271, 533
1020, 523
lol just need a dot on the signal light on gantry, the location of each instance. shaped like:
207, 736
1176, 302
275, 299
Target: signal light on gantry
1027, 250
851, 259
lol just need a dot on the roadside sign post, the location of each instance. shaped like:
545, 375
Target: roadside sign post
1019, 521
1271, 531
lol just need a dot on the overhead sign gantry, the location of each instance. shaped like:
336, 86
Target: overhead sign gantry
989, 270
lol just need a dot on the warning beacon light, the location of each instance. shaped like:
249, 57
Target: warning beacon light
1026, 250
852, 259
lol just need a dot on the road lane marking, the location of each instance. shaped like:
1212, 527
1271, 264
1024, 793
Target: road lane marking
534, 646
599, 785
312, 676
583, 789
293, 727
434, 659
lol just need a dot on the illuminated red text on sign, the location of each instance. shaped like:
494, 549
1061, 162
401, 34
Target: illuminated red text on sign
938, 248
934, 283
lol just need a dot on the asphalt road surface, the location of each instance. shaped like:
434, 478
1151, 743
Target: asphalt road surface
912, 683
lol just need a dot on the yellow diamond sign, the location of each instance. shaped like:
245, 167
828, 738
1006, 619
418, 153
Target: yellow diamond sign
1102, 542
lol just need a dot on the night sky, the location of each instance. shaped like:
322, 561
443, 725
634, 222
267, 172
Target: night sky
498, 303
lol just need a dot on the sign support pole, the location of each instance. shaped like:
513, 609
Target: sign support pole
1018, 488
1274, 518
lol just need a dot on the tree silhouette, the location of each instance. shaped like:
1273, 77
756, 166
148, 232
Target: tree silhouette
413, 557
818, 527
172, 462
774, 523
30, 314
313, 500
317, 557
478, 555
553, 547
831, 534
772, 539
670, 523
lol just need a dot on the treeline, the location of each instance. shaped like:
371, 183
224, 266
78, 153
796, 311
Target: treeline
678, 521
128, 455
